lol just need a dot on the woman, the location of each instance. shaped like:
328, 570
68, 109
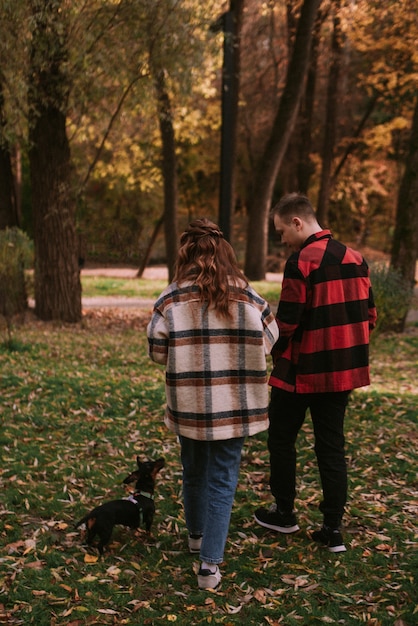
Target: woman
212, 331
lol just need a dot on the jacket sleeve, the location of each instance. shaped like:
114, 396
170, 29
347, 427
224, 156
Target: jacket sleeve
291, 307
157, 334
271, 330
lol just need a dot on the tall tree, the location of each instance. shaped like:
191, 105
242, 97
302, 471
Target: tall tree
8, 208
405, 241
168, 168
331, 117
305, 167
57, 275
231, 24
270, 162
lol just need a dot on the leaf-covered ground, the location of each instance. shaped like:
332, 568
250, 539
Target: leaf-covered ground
77, 404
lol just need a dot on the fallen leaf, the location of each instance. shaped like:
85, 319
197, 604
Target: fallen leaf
232, 610
384, 547
88, 579
35, 564
260, 595
91, 558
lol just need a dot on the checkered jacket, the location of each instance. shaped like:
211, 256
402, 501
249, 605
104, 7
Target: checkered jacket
325, 315
216, 378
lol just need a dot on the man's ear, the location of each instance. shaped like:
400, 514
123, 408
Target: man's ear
297, 222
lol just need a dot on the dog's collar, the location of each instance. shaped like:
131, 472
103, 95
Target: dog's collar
146, 494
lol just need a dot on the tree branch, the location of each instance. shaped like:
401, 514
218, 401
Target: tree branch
109, 128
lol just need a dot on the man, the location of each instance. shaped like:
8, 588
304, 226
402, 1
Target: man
325, 315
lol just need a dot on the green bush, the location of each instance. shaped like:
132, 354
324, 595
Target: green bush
16, 254
392, 295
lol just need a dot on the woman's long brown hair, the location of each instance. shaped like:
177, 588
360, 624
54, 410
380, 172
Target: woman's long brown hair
208, 260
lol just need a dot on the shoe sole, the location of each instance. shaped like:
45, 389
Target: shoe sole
209, 588
324, 544
286, 530
336, 549
202, 581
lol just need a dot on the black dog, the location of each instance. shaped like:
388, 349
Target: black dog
132, 511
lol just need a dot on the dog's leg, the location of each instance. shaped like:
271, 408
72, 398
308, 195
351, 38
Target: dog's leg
105, 533
148, 519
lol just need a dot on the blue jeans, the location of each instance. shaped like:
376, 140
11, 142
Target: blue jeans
210, 476
286, 414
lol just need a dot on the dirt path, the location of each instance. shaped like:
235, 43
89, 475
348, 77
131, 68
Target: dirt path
159, 272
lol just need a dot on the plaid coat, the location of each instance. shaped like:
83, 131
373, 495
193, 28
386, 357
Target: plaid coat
216, 378
325, 314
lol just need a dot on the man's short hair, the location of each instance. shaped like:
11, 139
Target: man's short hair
291, 205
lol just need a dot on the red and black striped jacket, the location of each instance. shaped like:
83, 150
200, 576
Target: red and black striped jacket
325, 315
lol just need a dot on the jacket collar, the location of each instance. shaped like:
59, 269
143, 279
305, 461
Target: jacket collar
322, 234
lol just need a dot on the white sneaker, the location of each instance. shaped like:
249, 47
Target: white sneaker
207, 579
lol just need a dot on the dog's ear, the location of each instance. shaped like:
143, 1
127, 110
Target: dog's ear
131, 478
158, 464
138, 461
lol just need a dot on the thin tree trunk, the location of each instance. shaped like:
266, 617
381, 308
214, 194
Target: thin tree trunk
265, 177
151, 242
331, 120
57, 276
405, 241
352, 145
232, 26
306, 167
169, 170
8, 213
297, 167
17, 168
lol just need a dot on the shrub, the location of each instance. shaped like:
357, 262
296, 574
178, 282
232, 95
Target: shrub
16, 254
392, 295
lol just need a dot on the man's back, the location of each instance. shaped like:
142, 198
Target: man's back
324, 316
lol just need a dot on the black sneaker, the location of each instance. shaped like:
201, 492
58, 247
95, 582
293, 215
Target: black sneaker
329, 537
276, 520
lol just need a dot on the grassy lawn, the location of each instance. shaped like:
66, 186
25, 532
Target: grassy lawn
94, 286
78, 403
126, 287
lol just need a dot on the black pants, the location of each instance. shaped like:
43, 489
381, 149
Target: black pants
287, 413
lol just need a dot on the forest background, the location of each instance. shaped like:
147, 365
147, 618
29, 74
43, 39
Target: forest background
123, 118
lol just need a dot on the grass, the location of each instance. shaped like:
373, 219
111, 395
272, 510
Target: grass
94, 286
78, 403
126, 287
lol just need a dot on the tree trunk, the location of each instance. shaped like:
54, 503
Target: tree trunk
405, 241
232, 25
353, 144
57, 275
305, 165
8, 209
331, 121
146, 257
265, 177
169, 170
